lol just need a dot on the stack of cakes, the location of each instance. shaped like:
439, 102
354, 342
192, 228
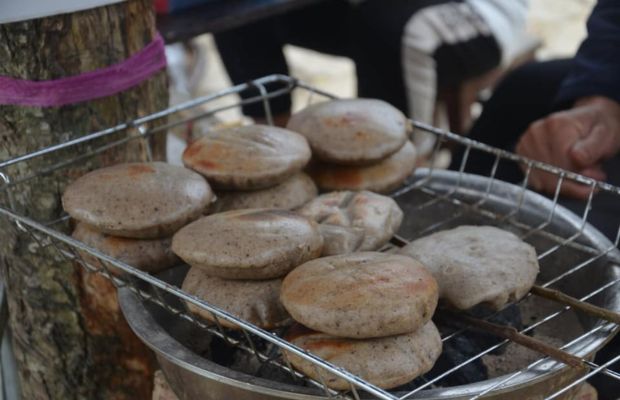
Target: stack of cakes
238, 259
130, 211
253, 166
369, 313
357, 144
239, 254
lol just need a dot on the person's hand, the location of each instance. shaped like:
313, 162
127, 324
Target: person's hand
578, 140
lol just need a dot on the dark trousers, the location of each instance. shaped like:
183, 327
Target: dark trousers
369, 33
523, 97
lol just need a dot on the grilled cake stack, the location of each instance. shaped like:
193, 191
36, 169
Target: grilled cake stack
239, 255
357, 144
254, 166
238, 259
130, 211
369, 313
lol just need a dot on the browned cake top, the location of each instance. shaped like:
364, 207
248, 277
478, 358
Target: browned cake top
361, 295
248, 157
351, 131
141, 200
248, 241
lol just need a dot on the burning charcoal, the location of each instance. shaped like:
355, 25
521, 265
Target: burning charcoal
455, 351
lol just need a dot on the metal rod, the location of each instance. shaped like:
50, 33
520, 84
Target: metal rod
588, 308
498, 345
220, 314
510, 333
44, 234
151, 117
536, 363
583, 378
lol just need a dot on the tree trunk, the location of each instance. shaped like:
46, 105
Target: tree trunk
70, 340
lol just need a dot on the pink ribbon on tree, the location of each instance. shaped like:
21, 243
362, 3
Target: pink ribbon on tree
88, 85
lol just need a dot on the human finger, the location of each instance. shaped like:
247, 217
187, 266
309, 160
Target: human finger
597, 145
595, 172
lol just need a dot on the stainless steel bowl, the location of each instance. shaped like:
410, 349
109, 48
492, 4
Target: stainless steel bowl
194, 376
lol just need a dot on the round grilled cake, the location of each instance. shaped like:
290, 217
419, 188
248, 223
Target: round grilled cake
351, 131
374, 216
361, 295
386, 362
257, 302
477, 264
150, 255
290, 194
138, 200
248, 157
249, 243
382, 177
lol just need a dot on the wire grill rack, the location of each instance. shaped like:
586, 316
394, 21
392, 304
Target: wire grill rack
50, 235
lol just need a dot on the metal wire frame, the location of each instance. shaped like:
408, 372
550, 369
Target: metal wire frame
477, 207
122, 275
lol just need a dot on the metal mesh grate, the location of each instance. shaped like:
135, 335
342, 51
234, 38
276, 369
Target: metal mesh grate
569, 249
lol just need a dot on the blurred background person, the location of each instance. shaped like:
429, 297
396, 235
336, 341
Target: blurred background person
401, 48
563, 112
445, 44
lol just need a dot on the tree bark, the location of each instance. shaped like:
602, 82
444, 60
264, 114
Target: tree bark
70, 340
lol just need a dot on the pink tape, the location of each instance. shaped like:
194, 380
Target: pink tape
86, 86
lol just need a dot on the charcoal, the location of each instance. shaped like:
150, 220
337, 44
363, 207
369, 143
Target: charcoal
455, 351
465, 345
222, 352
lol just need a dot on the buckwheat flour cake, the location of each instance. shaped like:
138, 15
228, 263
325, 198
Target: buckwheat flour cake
150, 255
354, 221
382, 177
290, 194
138, 200
361, 295
249, 243
477, 264
351, 131
386, 362
257, 302
248, 157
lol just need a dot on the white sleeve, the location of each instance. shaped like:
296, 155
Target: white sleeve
507, 20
